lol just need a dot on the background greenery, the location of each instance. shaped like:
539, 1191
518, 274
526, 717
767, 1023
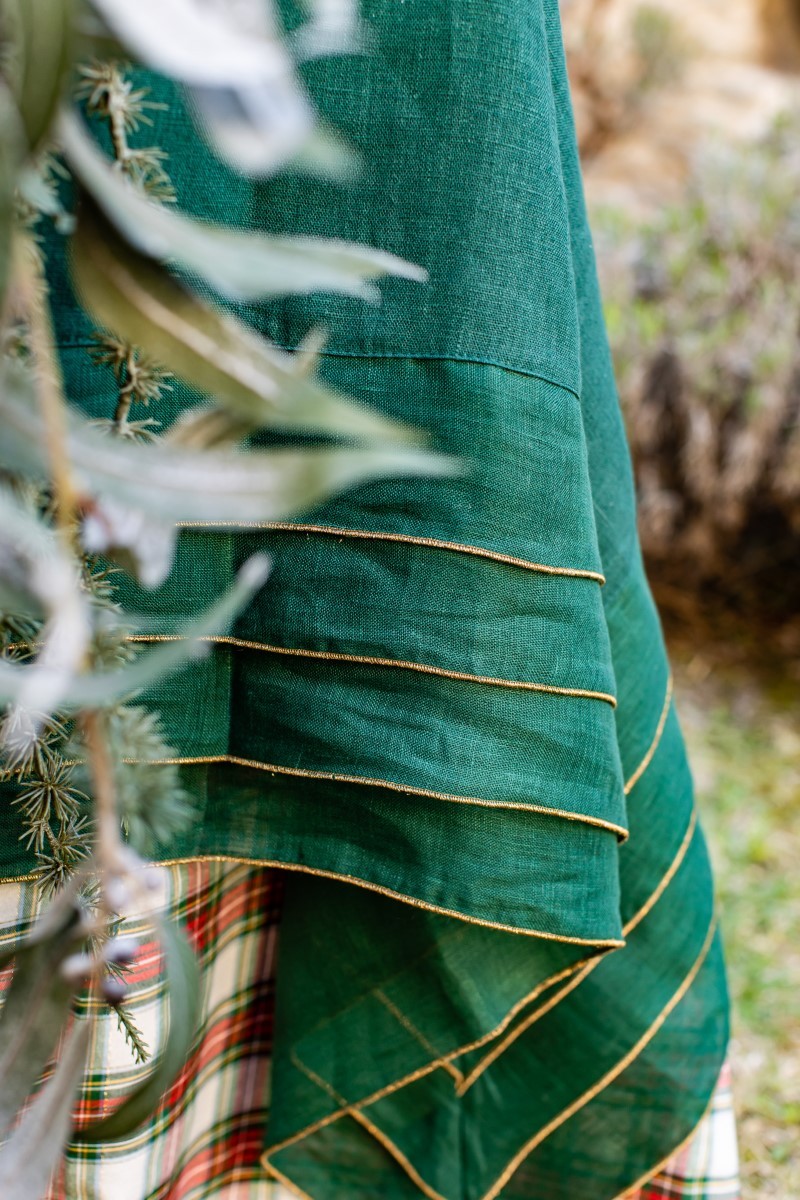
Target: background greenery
744, 743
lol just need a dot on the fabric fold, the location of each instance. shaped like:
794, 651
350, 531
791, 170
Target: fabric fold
499, 971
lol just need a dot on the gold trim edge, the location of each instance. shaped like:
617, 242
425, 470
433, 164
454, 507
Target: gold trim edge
666, 879
300, 772
405, 538
651, 750
545, 935
375, 661
601, 1085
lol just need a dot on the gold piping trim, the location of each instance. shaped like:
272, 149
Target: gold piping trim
319, 1082
412, 900
378, 1134
648, 758
411, 1028
347, 1110
283, 1181
369, 660
408, 539
523, 1003
547, 1130
420, 1072
398, 1156
31, 877
446, 1060
683, 850
611, 1075
644, 1179
610, 943
408, 789
550, 1004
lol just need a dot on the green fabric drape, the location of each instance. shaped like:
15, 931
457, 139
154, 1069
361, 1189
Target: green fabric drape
452, 694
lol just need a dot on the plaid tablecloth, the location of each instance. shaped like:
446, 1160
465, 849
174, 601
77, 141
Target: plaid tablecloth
207, 1137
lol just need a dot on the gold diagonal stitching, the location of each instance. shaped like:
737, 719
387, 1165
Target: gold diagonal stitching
648, 758
411, 1028
660, 889
421, 1072
611, 1075
284, 1181
552, 1003
397, 1155
565, 1114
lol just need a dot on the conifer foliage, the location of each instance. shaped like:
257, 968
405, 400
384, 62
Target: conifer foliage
81, 500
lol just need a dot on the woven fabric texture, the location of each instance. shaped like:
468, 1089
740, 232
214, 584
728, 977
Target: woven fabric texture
707, 1168
452, 694
204, 1143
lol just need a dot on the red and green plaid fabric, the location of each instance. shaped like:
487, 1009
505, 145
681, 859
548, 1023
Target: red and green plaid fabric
207, 1138
208, 1135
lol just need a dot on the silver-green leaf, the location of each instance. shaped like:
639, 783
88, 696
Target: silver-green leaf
33, 1151
140, 302
235, 67
239, 265
38, 36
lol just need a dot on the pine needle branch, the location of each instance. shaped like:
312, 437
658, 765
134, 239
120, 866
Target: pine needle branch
111, 96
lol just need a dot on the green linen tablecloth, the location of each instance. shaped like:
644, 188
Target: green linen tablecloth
449, 712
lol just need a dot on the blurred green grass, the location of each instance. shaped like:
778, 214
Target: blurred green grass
744, 742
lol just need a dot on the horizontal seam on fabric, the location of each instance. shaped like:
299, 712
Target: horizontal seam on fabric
404, 788
401, 356
374, 661
660, 727
406, 539
466, 359
555, 1000
614, 1073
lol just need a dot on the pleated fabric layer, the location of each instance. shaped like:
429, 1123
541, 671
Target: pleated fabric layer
205, 1139
449, 713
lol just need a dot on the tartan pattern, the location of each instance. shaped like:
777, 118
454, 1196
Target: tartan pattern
207, 1136
205, 1141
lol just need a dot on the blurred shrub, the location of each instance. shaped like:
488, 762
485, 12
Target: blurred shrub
780, 24
616, 62
703, 309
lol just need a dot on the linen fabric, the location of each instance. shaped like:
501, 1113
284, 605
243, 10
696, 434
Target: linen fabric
449, 713
205, 1140
708, 1165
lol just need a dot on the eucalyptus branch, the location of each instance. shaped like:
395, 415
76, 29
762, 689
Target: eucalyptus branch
32, 289
108, 844
94, 782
